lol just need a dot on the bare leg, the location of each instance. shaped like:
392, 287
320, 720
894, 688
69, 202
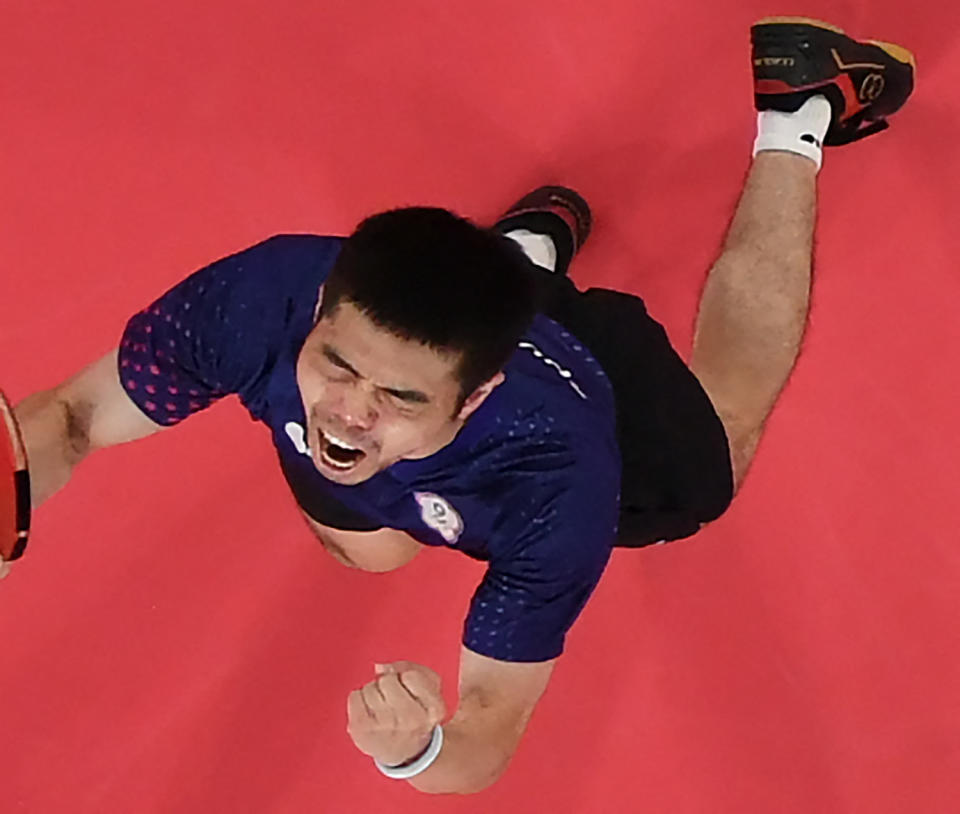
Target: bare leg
754, 306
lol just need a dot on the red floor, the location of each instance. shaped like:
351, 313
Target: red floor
176, 643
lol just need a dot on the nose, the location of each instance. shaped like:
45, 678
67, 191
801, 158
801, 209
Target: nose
354, 407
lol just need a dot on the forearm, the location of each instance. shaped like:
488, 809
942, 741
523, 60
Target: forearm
470, 761
54, 444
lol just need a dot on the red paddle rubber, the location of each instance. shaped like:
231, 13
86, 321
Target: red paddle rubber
14, 486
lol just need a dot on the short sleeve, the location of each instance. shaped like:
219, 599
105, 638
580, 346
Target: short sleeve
529, 600
215, 333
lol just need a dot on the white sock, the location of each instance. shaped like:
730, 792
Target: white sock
538, 247
801, 132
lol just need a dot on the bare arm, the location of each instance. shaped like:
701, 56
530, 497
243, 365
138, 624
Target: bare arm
87, 412
392, 719
497, 699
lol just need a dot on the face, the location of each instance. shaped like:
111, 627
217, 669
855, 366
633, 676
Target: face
372, 399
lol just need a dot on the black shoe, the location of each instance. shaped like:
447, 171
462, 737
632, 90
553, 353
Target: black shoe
557, 212
795, 58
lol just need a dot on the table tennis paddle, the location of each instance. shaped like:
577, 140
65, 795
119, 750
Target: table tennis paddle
14, 486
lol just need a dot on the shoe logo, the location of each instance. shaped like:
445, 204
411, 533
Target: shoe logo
775, 62
872, 87
844, 67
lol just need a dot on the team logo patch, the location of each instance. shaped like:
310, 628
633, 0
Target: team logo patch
439, 515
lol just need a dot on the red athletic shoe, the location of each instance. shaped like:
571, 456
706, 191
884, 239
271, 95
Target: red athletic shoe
555, 211
795, 58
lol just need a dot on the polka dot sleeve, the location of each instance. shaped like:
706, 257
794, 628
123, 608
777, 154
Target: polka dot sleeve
205, 338
529, 600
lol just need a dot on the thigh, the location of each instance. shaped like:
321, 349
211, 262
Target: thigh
677, 472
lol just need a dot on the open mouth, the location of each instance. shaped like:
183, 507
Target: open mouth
338, 454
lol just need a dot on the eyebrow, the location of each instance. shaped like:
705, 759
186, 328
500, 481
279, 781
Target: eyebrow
415, 396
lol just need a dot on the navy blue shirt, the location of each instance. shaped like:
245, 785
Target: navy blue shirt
530, 484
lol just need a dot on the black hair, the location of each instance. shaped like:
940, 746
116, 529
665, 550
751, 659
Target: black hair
428, 275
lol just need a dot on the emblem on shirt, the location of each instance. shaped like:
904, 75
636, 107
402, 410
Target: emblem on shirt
297, 435
439, 515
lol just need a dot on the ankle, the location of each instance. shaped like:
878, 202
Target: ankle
800, 133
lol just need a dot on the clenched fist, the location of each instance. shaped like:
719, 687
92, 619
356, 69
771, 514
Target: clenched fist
392, 718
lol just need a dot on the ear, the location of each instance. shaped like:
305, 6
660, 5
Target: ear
478, 396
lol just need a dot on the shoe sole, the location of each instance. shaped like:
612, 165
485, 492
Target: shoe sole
897, 52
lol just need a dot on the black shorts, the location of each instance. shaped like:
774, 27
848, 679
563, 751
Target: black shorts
677, 472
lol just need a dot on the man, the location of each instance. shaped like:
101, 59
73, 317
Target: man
431, 383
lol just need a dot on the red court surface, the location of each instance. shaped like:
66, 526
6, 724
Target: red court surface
176, 642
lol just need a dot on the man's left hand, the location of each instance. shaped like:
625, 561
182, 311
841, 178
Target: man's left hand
392, 718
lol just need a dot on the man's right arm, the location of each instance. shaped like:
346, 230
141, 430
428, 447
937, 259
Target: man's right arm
87, 412
210, 335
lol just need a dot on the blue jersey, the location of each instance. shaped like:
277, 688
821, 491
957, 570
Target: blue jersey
530, 484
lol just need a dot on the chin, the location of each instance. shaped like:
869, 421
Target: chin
349, 477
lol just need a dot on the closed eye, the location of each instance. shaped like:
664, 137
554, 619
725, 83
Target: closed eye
408, 396
335, 359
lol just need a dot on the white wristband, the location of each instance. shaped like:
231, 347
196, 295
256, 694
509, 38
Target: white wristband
421, 764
